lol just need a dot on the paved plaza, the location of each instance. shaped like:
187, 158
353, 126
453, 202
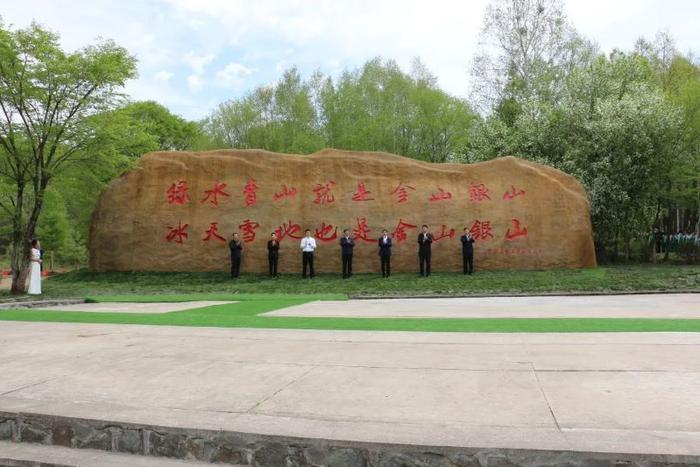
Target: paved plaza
682, 305
603, 392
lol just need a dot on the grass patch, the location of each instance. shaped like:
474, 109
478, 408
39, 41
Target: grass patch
257, 294
627, 278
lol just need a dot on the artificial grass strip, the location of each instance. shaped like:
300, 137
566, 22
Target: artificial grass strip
245, 314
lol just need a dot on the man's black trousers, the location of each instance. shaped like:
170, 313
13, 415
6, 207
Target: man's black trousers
307, 259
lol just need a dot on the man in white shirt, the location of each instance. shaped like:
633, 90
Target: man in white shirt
308, 246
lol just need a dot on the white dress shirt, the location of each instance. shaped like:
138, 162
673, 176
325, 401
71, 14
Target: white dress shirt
308, 244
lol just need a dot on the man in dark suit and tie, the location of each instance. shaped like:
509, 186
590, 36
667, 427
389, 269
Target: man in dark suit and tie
467, 251
425, 239
347, 244
236, 247
384, 243
273, 254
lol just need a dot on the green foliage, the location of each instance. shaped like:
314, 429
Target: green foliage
56, 229
278, 118
166, 131
615, 129
47, 97
121, 136
375, 108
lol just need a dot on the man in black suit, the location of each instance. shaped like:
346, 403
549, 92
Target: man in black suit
384, 243
273, 254
347, 243
425, 239
236, 247
467, 251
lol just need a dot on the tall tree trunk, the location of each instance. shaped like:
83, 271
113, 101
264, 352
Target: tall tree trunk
22, 237
18, 263
18, 250
697, 224
655, 231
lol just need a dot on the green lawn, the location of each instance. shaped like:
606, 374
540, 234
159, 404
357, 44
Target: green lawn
246, 314
630, 278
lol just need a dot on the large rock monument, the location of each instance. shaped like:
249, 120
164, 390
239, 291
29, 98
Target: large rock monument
175, 211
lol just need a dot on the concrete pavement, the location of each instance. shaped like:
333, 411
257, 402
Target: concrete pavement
130, 307
605, 392
683, 306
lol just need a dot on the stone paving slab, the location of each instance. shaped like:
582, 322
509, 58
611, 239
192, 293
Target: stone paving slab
603, 392
131, 307
683, 306
24, 453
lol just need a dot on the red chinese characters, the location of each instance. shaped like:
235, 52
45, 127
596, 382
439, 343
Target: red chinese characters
287, 192
250, 192
478, 192
323, 192
177, 193
399, 233
248, 228
481, 230
441, 195
288, 229
444, 233
177, 234
401, 192
326, 232
362, 193
513, 193
361, 232
517, 231
213, 195
213, 232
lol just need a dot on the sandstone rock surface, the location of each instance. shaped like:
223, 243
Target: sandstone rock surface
175, 211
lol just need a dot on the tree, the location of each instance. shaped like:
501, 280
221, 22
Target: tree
46, 98
120, 137
679, 79
170, 132
526, 49
283, 117
613, 130
377, 107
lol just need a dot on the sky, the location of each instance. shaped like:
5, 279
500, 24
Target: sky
196, 54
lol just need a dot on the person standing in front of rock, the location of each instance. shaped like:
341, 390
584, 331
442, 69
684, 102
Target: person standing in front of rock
308, 246
467, 251
273, 254
35, 268
236, 247
347, 244
425, 239
384, 243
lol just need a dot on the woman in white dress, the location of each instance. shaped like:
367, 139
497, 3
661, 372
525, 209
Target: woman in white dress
35, 268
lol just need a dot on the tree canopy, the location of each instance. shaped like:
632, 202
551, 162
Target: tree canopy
47, 97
